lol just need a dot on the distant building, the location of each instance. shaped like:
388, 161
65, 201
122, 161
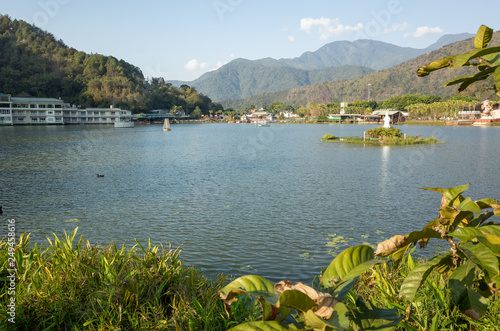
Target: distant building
289, 114
19, 111
395, 115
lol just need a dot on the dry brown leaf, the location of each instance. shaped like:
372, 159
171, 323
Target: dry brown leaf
390, 245
324, 301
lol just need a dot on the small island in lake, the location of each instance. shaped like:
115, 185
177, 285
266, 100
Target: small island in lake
383, 136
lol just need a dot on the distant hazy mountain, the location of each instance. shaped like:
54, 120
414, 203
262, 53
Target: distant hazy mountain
398, 80
242, 78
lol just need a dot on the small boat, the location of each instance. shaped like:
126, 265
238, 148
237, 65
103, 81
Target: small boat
166, 125
264, 124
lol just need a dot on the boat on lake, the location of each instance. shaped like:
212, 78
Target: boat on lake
166, 125
263, 123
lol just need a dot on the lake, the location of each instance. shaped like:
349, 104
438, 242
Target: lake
239, 198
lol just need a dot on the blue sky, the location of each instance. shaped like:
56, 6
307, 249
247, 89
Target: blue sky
184, 39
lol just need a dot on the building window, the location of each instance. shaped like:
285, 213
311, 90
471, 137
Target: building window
32, 105
41, 106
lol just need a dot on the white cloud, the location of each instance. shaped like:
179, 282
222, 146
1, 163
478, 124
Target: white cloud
327, 27
195, 64
192, 65
423, 31
396, 27
291, 38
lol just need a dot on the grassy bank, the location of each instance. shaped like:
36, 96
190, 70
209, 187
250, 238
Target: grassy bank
71, 285
429, 123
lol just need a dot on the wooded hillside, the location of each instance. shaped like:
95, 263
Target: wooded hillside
34, 63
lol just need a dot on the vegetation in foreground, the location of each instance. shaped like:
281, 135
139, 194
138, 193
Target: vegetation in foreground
456, 290
383, 136
75, 286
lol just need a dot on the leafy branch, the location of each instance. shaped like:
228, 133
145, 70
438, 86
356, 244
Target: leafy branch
486, 59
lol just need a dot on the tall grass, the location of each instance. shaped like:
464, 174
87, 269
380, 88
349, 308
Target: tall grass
432, 309
71, 285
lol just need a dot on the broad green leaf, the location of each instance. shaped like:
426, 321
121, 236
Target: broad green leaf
450, 194
492, 59
462, 59
462, 219
434, 65
260, 326
478, 220
361, 268
477, 77
483, 235
473, 304
250, 283
297, 300
345, 262
459, 80
482, 257
469, 205
338, 320
375, 318
483, 37
496, 78
486, 203
461, 278
465, 234
341, 290
268, 310
447, 213
417, 276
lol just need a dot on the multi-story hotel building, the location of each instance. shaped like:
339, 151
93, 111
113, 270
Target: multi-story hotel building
17, 110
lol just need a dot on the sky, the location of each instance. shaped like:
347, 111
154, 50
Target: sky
181, 40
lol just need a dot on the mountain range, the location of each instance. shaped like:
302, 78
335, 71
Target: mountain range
337, 60
398, 80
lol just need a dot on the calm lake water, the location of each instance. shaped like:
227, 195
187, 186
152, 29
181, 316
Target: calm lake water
239, 198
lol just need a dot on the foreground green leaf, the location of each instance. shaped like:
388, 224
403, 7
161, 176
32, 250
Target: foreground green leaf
482, 257
375, 318
434, 65
260, 326
346, 262
417, 276
483, 37
338, 320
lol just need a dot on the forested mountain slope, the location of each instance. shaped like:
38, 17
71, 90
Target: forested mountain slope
34, 63
398, 80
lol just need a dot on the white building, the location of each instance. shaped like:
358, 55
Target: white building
17, 110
